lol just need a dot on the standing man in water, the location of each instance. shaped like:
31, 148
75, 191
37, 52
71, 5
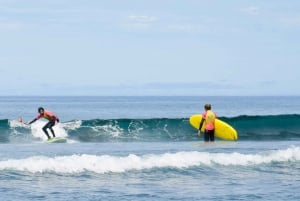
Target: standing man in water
53, 119
208, 119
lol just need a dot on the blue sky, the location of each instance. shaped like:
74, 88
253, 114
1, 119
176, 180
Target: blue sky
155, 47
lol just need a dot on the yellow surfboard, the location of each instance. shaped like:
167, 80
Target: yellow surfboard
222, 129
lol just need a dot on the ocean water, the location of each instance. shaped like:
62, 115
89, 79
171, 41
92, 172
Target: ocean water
143, 148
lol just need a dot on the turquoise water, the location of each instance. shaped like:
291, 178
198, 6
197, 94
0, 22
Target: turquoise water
142, 148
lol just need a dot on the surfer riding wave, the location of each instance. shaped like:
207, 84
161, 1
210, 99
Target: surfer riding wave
53, 119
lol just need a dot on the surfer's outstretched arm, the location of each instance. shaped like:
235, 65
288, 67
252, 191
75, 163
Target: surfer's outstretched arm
28, 123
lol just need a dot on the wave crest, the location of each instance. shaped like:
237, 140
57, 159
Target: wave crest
276, 127
181, 160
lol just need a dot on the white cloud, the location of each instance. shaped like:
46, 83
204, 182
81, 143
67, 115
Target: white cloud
188, 28
142, 18
10, 26
40, 10
251, 10
292, 20
181, 28
139, 22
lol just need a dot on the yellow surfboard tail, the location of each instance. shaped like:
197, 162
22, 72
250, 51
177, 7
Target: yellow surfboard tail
222, 129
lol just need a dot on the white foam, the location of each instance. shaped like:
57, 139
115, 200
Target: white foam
37, 130
72, 125
114, 131
15, 124
106, 163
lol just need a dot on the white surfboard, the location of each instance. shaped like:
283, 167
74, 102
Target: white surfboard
57, 140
